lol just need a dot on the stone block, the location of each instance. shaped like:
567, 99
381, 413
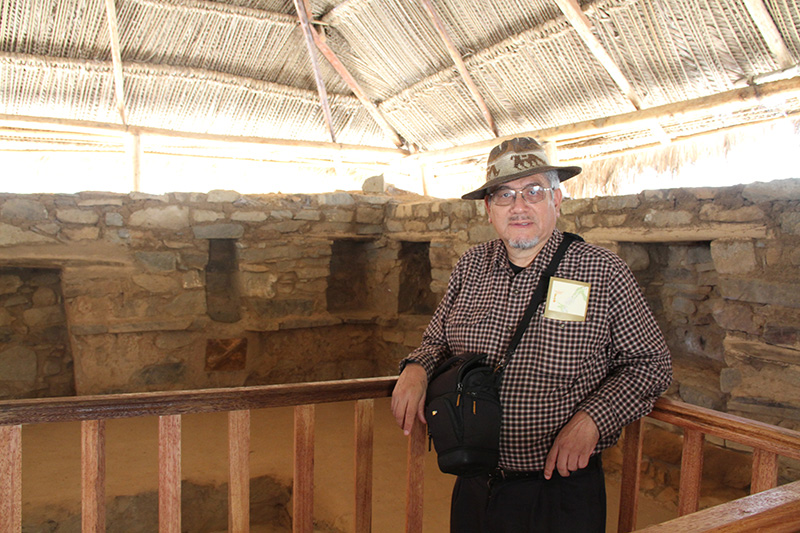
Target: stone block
18, 363
576, 206
249, 216
308, 214
155, 283
790, 222
483, 233
114, 219
375, 184
760, 291
335, 198
613, 203
781, 190
90, 233
171, 217
205, 215
222, 196
77, 216
23, 209
218, 231
157, 261
718, 213
9, 283
635, 256
733, 256
369, 215
12, 235
41, 317
258, 285
664, 219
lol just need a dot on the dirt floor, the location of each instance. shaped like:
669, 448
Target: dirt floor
51, 474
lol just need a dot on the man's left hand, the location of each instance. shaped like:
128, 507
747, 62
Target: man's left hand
573, 446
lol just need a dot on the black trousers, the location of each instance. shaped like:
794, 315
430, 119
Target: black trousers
574, 504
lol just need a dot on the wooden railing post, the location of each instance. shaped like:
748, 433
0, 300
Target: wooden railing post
169, 474
631, 470
93, 476
239, 471
691, 471
364, 443
303, 491
10, 479
416, 477
765, 471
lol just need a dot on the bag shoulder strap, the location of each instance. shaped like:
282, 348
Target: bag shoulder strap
538, 295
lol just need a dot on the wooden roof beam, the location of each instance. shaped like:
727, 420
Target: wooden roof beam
351, 82
460, 65
302, 14
572, 10
116, 57
769, 31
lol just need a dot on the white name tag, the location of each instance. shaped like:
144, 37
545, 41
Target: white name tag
567, 300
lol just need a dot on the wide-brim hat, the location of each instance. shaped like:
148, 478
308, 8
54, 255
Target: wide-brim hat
514, 159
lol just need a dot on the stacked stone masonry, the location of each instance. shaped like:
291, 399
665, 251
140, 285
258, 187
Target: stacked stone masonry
118, 288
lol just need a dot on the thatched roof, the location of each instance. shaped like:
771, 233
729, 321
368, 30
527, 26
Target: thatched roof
441, 78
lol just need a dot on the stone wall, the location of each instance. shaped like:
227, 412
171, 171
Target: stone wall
104, 293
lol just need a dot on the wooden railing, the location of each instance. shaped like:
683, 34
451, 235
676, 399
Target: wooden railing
779, 505
768, 443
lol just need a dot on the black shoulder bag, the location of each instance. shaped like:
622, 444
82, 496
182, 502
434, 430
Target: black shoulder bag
462, 404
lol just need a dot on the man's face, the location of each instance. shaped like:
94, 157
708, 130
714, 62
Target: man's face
522, 225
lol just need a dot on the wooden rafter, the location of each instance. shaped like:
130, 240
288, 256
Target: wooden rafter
769, 31
582, 24
351, 82
302, 14
460, 65
116, 57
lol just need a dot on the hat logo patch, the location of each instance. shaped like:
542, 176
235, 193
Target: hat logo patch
526, 161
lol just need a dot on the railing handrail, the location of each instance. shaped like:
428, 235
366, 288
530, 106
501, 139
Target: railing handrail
128, 405
768, 441
774, 439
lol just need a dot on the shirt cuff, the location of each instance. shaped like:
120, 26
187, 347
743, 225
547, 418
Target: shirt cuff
603, 415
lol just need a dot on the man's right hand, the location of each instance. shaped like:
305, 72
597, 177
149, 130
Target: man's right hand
408, 397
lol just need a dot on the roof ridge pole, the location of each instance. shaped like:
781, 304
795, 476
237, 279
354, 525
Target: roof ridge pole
576, 17
460, 65
351, 82
116, 58
302, 14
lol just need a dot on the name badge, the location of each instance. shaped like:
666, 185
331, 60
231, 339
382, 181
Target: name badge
567, 300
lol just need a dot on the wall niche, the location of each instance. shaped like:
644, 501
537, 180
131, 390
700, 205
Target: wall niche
35, 355
415, 296
347, 283
222, 295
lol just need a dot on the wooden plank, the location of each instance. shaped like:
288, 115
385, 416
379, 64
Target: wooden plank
169, 474
10, 479
35, 411
765, 471
364, 444
303, 491
239, 471
93, 476
774, 511
691, 472
770, 32
415, 484
629, 485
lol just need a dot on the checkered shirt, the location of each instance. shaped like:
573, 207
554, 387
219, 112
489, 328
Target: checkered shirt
614, 365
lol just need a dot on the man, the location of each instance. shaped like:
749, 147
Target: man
584, 369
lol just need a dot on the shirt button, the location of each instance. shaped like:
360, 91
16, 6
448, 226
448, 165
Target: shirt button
509, 328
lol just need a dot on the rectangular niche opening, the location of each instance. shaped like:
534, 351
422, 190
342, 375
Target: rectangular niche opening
680, 285
347, 282
415, 295
35, 355
222, 294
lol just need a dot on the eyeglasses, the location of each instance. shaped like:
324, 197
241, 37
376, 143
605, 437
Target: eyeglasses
532, 194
